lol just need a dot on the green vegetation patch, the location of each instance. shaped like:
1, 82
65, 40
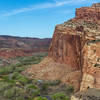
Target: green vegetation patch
40, 98
60, 96
15, 86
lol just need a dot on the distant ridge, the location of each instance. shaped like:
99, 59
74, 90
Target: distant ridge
14, 46
11, 36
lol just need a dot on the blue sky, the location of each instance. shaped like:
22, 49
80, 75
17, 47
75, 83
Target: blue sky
36, 18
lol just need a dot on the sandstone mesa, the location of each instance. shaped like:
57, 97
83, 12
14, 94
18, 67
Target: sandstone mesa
74, 53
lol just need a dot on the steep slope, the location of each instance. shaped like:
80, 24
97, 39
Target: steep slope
74, 54
11, 47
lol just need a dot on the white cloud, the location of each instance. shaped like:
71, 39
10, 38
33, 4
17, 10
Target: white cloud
22, 10
64, 11
57, 3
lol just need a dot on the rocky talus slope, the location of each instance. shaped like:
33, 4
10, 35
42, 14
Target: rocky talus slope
74, 53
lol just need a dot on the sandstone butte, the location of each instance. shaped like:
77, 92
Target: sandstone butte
74, 53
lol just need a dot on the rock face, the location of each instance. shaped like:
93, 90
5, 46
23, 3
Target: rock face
90, 94
65, 48
91, 65
11, 47
75, 51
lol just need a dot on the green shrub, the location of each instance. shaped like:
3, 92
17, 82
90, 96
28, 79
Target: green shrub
18, 65
40, 98
31, 86
15, 75
32, 90
55, 82
6, 70
27, 60
70, 89
8, 79
30, 60
20, 98
44, 86
19, 69
60, 96
3, 86
97, 65
9, 93
93, 41
20, 91
23, 80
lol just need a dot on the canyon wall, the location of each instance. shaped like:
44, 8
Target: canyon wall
75, 51
77, 44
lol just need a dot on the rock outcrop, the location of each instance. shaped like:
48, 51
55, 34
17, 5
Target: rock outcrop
90, 94
74, 53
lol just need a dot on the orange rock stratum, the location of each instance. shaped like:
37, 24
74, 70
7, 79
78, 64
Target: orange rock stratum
74, 53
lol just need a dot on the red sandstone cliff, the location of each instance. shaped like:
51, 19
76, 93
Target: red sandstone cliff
74, 54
